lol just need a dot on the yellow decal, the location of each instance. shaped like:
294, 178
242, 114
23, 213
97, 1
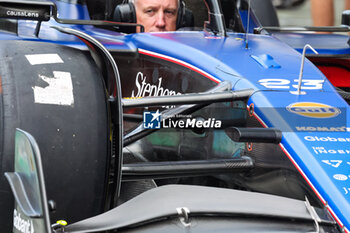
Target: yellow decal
313, 110
62, 222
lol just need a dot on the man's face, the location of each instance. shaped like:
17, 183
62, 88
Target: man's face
157, 15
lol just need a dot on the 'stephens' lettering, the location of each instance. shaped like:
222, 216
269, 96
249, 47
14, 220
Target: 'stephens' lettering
147, 89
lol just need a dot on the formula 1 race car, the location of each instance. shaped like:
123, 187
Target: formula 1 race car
224, 125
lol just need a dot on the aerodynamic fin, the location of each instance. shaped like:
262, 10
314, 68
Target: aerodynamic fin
31, 212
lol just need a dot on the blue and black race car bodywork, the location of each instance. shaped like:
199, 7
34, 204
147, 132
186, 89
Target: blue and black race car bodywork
79, 82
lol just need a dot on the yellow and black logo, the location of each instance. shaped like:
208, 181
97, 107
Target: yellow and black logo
313, 110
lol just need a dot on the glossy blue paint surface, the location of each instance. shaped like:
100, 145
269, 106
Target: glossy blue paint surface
323, 43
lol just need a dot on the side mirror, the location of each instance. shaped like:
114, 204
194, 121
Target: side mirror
345, 18
27, 183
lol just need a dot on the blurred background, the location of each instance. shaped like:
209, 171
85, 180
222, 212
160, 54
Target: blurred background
298, 13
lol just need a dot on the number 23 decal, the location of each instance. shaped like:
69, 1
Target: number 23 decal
307, 84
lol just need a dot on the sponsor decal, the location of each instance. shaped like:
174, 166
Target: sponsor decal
322, 150
325, 139
340, 177
322, 129
22, 225
333, 163
151, 120
22, 14
313, 110
147, 89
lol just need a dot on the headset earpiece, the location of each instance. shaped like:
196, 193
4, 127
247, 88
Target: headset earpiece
180, 15
125, 13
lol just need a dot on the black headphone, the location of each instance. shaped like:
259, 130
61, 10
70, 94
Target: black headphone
126, 13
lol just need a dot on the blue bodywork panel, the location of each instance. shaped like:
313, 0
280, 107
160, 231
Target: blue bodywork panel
336, 43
